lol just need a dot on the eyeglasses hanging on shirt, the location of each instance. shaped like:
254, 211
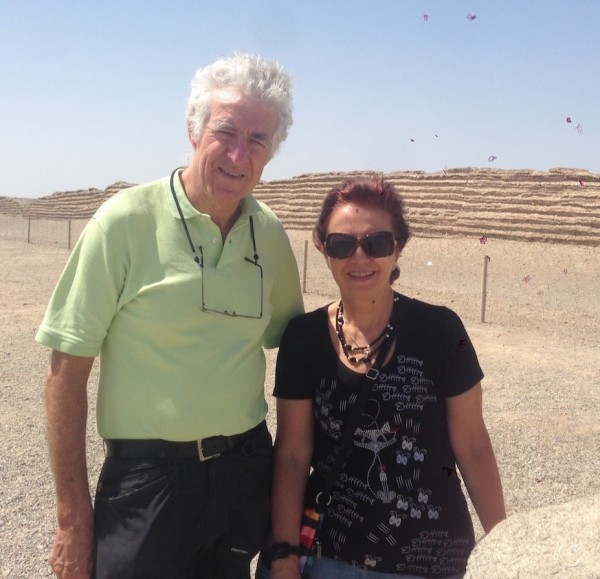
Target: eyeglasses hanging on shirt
199, 259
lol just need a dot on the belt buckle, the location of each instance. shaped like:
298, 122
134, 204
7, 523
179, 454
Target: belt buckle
201, 454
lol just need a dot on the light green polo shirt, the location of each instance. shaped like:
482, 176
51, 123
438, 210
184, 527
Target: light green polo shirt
132, 293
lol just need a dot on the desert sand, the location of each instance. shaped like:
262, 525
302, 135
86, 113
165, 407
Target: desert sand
539, 348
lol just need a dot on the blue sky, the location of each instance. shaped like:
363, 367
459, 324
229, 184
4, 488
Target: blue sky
94, 92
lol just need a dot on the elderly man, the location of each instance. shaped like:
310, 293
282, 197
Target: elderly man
177, 285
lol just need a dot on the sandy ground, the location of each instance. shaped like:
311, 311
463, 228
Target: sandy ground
539, 348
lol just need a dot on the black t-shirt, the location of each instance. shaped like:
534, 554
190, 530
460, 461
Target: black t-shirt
397, 506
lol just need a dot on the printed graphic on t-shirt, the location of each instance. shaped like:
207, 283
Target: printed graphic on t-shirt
393, 489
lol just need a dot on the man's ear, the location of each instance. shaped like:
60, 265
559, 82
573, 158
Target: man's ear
191, 137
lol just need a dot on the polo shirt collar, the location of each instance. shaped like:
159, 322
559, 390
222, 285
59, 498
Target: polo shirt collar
188, 210
249, 205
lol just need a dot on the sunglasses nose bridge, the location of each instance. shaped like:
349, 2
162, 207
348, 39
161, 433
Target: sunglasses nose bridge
359, 247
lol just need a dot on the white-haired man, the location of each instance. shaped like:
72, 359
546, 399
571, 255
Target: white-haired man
177, 285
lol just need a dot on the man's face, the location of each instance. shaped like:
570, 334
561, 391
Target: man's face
233, 150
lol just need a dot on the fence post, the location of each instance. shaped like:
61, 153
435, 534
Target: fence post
69, 242
486, 260
304, 272
29, 229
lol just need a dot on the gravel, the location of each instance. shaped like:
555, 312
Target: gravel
539, 348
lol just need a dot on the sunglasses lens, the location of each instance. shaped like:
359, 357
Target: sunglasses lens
340, 245
379, 244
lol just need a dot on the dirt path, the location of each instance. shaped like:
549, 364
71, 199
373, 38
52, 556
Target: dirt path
540, 351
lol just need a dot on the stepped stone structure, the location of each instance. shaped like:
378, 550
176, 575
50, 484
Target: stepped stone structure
80, 204
10, 206
557, 206
560, 206
554, 541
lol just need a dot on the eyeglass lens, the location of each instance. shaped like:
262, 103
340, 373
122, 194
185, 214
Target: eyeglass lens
233, 312
342, 245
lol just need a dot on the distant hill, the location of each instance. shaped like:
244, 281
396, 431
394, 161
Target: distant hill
558, 206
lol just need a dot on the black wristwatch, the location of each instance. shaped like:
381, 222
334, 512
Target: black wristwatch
283, 550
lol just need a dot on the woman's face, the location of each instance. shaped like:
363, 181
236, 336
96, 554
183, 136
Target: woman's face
361, 274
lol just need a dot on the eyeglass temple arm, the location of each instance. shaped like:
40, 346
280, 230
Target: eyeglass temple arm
253, 241
197, 259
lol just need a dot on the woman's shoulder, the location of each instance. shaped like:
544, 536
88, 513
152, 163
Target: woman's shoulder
308, 321
306, 335
425, 313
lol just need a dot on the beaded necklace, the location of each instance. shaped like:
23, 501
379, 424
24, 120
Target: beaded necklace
360, 354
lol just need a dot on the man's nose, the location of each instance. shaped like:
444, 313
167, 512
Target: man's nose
239, 150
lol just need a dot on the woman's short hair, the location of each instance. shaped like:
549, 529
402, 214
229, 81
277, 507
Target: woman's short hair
253, 76
366, 192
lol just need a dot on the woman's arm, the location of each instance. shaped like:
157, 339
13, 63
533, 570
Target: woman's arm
475, 456
293, 452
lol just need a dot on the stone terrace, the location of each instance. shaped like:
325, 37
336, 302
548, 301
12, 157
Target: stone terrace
557, 206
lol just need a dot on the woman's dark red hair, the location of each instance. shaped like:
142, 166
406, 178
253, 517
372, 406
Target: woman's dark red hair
366, 192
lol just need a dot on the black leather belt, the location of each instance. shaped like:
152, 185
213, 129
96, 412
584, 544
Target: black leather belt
201, 449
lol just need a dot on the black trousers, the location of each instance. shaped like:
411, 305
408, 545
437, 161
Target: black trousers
182, 518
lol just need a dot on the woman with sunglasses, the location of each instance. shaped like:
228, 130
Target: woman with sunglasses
397, 508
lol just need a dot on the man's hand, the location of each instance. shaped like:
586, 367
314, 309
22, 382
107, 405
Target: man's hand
71, 555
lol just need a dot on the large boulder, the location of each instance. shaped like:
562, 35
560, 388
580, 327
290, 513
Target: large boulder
556, 541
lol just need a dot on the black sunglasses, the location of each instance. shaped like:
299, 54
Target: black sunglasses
342, 245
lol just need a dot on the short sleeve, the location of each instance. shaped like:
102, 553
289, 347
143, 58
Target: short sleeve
301, 356
460, 366
286, 297
86, 296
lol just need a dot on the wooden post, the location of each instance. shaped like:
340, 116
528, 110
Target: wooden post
69, 234
304, 272
486, 260
29, 229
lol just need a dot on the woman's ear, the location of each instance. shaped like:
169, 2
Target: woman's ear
398, 251
318, 243
395, 274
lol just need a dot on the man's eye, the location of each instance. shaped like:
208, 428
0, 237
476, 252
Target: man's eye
223, 130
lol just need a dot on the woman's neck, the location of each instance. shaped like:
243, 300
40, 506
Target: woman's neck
367, 316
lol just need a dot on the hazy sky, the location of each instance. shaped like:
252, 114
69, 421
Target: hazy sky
94, 92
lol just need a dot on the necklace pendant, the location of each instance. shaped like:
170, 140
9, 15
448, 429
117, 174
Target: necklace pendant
355, 353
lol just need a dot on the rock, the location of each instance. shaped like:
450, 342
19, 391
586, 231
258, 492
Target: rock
556, 541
